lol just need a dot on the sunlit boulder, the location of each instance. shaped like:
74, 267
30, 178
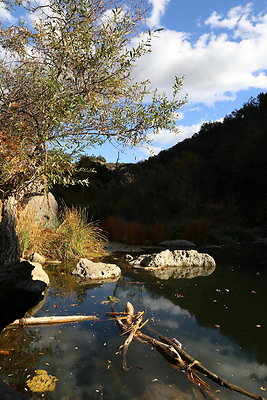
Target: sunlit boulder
176, 263
96, 271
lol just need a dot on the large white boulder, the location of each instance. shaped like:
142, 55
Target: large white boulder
96, 271
44, 208
176, 263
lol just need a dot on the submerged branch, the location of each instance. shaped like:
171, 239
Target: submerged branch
130, 323
211, 375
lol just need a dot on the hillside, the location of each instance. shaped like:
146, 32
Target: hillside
218, 175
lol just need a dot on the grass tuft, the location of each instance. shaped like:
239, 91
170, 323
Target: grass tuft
74, 237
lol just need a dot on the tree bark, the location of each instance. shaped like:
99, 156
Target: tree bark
9, 242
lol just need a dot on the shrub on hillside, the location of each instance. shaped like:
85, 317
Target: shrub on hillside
134, 232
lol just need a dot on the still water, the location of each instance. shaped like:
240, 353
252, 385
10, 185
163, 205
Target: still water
219, 319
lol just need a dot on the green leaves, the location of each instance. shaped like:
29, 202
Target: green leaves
69, 81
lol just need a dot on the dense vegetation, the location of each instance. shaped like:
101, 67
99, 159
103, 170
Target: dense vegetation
66, 84
216, 178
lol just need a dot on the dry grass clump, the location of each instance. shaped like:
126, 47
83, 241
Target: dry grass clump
74, 237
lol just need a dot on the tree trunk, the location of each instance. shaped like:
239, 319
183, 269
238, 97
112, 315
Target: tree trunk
9, 242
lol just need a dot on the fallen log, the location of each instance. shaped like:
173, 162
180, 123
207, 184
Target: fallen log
52, 320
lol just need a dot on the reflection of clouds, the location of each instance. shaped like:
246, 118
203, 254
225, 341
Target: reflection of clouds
161, 303
70, 347
169, 323
80, 352
228, 362
214, 350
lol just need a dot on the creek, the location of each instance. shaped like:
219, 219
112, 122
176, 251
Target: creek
220, 320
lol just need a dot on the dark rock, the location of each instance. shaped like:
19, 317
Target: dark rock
22, 286
178, 244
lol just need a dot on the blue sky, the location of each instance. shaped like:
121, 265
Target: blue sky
220, 48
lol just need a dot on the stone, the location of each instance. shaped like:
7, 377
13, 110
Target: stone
96, 271
178, 244
176, 263
22, 287
38, 273
36, 257
34, 279
44, 208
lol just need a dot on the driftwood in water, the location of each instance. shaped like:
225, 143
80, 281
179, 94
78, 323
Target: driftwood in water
211, 375
52, 320
130, 323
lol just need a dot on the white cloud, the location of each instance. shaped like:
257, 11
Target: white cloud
218, 64
161, 303
158, 10
41, 10
150, 150
235, 16
166, 137
5, 15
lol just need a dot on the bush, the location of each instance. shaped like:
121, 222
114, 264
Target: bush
134, 232
196, 231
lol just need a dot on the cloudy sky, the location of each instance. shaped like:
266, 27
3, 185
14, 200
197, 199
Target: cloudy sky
220, 49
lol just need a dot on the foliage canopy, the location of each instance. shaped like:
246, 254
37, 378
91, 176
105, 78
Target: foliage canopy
66, 83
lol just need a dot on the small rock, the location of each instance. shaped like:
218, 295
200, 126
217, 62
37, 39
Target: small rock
178, 243
96, 271
38, 273
36, 257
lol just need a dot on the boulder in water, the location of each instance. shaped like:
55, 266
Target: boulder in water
176, 263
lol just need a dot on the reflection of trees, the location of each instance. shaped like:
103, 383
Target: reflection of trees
24, 356
64, 284
234, 305
128, 290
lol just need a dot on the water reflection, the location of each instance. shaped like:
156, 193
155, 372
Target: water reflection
83, 356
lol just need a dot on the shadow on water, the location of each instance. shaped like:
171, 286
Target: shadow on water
220, 319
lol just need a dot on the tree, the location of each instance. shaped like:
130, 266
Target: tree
66, 83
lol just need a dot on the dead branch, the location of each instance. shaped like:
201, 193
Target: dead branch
128, 341
53, 320
178, 357
211, 375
